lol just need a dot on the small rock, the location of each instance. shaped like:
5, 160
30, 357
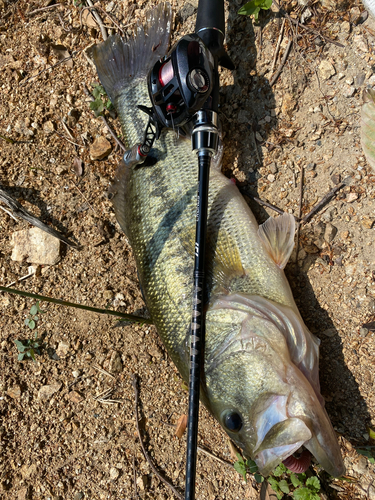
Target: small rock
75, 397
48, 127
62, 349
142, 482
35, 246
155, 352
288, 104
46, 391
363, 332
24, 493
326, 70
115, 363
273, 168
361, 466
271, 178
361, 43
76, 373
336, 178
371, 493
319, 229
14, 392
100, 148
330, 232
114, 473
345, 27
108, 294
79, 495
310, 166
367, 222
352, 197
330, 332
187, 11
348, 90
258, 137
21, 128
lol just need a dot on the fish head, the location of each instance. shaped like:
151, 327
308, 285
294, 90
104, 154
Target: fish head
258, 393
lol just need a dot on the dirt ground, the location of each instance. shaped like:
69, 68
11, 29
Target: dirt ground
67, 443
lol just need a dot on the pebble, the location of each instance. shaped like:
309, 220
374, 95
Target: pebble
361, 466
79, 495
75, 397
100, 148
326, 70
310, 166
48, 127
46, 391
14, 392
363, 332
330, 232
271, 178
76, 373
114, 473
115, 363
367, 222
35, 246
330, 332
319, 229
62, 349
361, 43
24, 493
288, 104
187, 11
348, 90
352, 197
21, 128
273, 168
258, 137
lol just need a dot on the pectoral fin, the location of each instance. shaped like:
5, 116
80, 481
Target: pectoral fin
277, 236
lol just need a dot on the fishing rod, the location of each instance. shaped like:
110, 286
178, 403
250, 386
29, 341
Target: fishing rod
184, 92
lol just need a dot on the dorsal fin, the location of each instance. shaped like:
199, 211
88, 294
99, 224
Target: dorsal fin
277, 236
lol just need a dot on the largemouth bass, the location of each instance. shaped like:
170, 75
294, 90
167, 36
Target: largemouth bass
260, 377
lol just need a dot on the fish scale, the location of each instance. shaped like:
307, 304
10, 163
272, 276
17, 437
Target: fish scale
260, 362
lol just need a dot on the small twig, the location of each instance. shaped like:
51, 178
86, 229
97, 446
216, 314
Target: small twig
9, 213
66, 129
283, 61
52, 67
71, 142
84, 197
154, 469
118, 141
261, 202
299, 211
296, 22
29, 275
101, 370
43, 9
108, 401
326, 198
111, 18
135, 479
278, 46
128, 317
7, 139
209, 454
255, 146
19, 211
98, 19
104, 394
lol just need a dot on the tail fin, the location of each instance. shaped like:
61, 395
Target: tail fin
119, 61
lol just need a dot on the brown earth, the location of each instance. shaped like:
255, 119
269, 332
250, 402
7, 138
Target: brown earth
66, 444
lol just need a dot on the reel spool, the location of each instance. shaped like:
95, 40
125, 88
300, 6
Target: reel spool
180, 84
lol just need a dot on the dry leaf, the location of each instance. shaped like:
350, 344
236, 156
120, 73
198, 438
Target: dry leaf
62, 53
181, 426
78, 166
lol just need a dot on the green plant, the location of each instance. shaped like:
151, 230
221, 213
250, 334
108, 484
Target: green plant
253, 7
369, 452
28, 348
101, 101
282, 480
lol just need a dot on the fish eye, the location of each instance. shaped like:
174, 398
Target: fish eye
232, 421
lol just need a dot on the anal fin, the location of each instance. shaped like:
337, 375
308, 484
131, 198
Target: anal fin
277, 235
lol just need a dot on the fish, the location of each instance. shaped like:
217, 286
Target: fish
260, 377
